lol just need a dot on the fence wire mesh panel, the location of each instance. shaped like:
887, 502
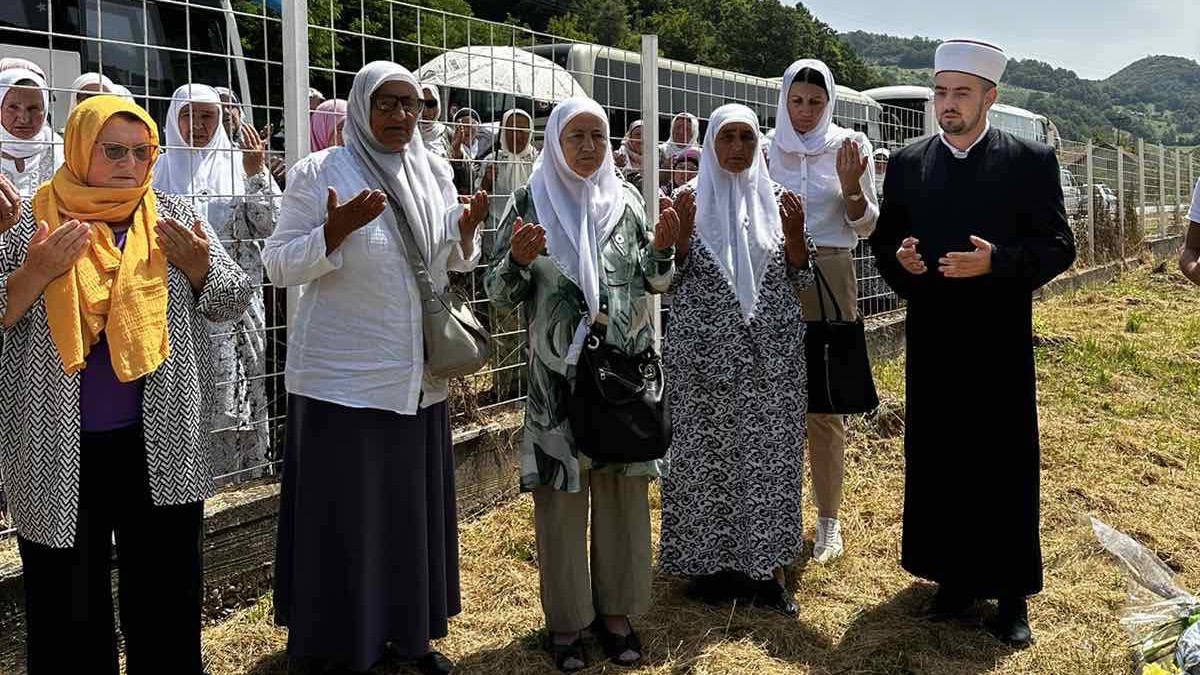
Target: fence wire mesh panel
146, 50
1105, 226
488, 90
1073, 176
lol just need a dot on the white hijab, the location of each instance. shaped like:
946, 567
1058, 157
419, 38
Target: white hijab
213, 176
106, 87
577, 213
633, 160
433, 131
413, 180
21, 148
825, 137
514, 168
671, 148
737, 215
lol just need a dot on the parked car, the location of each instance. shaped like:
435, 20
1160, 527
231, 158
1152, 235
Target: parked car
1072, 194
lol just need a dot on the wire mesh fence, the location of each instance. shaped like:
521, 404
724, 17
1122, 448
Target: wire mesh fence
488, 89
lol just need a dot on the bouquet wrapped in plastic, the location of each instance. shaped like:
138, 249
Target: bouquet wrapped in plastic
1158, 612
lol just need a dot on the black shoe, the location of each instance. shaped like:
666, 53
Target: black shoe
615, 645
720, 588
949, 604
562, 654
435, 663
774, 595
1011, 623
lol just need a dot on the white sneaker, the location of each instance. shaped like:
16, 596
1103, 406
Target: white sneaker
828, 545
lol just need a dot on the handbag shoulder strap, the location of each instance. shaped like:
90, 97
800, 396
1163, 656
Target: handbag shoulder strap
413, 253
823, 284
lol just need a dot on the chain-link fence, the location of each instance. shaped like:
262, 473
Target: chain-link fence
488, 90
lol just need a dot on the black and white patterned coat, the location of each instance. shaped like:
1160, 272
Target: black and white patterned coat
731, 492
39, 403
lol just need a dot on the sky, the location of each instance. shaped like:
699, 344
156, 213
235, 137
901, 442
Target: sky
1095, 38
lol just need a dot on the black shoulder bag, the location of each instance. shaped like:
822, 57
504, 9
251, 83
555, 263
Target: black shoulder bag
618, 406
839, 370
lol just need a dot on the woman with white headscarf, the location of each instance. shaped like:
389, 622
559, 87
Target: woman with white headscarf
685, 134
506, 170
88, 85
433, 132
735, 361
574, 248
828, 167
467, 145
30, 151
368, 426
231, 190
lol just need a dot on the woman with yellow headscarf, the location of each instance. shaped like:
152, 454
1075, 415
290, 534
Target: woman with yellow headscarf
106, 290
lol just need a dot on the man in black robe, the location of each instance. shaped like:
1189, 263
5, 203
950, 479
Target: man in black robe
972, 223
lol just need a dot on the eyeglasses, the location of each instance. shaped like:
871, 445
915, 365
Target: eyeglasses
116, 152
387, 104
431, 103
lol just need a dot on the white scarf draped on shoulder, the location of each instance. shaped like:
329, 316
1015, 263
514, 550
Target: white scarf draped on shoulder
577, 213
416, 181
737, 215
21, 148
213, 176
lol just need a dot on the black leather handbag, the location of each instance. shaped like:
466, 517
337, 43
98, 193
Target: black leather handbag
839, 369
618, 408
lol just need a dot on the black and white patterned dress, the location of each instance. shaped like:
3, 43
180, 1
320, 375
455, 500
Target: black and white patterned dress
731, 495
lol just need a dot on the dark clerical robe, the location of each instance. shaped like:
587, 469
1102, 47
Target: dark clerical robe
971, 436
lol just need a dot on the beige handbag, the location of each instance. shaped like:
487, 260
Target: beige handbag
456, 344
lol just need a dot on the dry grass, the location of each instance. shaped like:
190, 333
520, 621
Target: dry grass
1120, 389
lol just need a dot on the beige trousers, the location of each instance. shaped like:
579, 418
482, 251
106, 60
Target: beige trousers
827, 433
618, 583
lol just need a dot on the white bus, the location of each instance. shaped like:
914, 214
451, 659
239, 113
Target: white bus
137, 43
909, 115
613, 78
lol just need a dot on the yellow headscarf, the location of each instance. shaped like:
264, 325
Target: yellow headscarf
122, 294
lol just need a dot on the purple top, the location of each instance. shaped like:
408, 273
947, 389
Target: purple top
106, 403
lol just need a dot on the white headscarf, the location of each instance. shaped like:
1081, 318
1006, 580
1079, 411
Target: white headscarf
213, 175
577, 213
737, 215
824, 137
21, 148
414, 180
514, 168
122, 91
671, 148
633, 160
106, 87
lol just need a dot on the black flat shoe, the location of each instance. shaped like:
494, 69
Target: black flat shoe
562, 654
775, 596
720, 588
949, 604
1011, 623
434, 663
615, 645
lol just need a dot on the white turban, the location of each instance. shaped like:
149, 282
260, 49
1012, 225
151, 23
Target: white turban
971, 57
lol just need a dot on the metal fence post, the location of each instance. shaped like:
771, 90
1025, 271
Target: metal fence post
1162, 190
1178, 184
1141, 207
650, 146
1091, 212
1121, 202
295, 103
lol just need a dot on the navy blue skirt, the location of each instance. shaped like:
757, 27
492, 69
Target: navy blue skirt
368, 532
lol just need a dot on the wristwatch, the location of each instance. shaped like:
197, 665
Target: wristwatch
855, 197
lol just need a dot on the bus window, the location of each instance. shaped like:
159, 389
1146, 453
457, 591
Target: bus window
25, 14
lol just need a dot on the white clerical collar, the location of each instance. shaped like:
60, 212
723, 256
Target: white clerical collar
963, 154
